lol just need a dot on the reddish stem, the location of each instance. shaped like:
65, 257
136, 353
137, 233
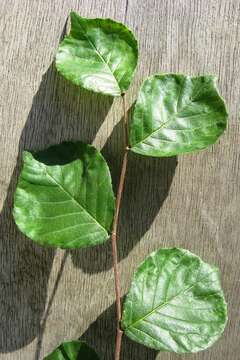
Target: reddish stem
114, 234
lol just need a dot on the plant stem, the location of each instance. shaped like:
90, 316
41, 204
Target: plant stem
114, 233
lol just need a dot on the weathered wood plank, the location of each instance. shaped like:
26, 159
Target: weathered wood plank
194, 204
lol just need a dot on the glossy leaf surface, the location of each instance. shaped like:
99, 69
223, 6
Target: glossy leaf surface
175, 303
98, 55
73, 350
64, 196
177, 114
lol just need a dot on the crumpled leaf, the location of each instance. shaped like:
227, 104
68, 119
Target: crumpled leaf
64, 196
177, 114
175, 303
98, 55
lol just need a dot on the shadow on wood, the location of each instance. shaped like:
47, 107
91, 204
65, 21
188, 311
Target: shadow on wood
148, 181
101, 336
62, 112
59, 112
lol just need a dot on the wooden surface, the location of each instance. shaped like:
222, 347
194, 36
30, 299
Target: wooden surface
48, 296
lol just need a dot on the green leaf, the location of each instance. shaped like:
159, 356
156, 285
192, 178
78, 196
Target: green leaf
175, 303
64, 196
98, 55
73, 350
177, 114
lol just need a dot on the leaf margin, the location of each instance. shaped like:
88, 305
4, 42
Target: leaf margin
111, 21
60, 349
220, 292
27, 154
213, 78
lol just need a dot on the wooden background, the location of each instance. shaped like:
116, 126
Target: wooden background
48, 296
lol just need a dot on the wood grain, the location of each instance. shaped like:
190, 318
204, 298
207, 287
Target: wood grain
48, 296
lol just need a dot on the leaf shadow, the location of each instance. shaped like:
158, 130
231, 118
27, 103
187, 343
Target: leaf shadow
101, 336
148, 181
59, 112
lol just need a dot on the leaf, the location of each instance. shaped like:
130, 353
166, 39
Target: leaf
73, 350
175, 303
177, 114
98, 55
64, 196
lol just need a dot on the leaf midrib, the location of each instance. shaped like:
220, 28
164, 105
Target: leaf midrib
166, 302
100, 56
75, 201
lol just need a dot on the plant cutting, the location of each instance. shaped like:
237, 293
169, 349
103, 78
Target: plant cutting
64, 197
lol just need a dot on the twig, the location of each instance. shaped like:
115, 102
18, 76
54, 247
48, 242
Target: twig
114, 233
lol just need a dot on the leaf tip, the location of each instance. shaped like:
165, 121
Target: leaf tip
73, 14
27, 155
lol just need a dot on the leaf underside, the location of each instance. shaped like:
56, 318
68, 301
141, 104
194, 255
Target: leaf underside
73, 350
177, 114
64, 196
175, 303
98, 55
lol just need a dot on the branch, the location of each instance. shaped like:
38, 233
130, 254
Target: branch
114, 233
